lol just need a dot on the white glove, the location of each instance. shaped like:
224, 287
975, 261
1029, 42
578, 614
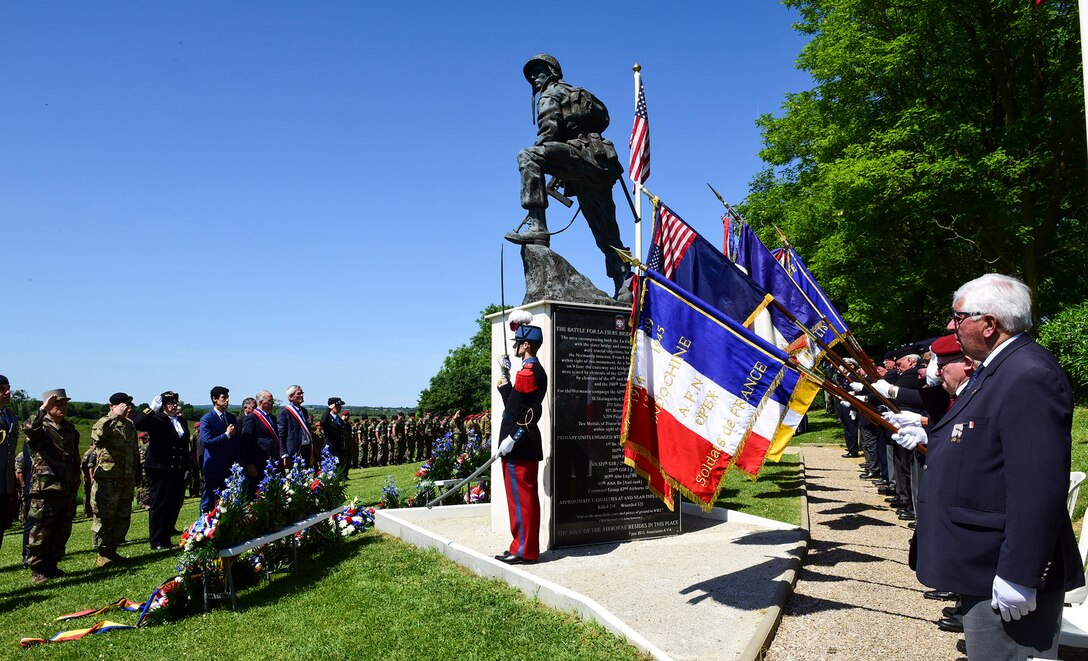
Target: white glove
931, 371
883, 387
856, 386
1014, 601
506, 446
903, 418
156, 403
910, 436
844, 404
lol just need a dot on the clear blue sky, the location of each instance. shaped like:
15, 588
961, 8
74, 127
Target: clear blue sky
261, 194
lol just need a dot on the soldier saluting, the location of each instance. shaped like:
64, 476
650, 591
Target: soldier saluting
52, 452
570, 147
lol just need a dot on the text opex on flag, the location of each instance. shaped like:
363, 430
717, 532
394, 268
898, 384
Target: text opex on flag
702, 392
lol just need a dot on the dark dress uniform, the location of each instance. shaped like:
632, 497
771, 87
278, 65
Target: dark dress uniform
523, 408
166, 464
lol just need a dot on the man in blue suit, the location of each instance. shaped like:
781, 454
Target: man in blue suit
992, 520
218, 435
259, 441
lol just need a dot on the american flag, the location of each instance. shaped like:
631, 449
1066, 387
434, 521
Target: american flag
639, 168
672, 238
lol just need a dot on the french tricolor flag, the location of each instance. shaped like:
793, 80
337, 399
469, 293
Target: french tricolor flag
702, 391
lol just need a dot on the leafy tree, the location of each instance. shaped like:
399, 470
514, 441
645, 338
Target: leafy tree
942, 140
1064, 336
464, 380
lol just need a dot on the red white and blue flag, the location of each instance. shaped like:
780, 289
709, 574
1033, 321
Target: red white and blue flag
639, 167
703, 393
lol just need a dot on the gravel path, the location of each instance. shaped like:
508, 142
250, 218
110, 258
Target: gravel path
856, 597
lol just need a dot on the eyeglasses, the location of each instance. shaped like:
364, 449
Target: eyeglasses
958, 317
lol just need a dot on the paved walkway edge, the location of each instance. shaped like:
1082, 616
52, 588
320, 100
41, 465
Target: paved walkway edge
551, 594
768, 626
399, 523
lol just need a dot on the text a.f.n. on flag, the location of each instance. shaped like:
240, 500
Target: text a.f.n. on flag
699, 383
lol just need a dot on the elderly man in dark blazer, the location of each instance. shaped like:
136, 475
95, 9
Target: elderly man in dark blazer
992, 520
294, 428
259, 441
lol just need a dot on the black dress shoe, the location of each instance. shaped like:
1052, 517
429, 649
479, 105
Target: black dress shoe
894, 501
886, 491
906, 515
961, 646
912, 525
951, 611
851, 455
881, 482
866, 475
939, 595
953, 624
511, 559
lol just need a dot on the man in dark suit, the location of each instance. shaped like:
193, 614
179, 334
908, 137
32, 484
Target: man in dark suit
259, 441
218, 435
334, 430
166, 465
992, 519
294, 428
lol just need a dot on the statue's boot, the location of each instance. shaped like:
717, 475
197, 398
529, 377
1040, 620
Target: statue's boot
535, 234
623, 292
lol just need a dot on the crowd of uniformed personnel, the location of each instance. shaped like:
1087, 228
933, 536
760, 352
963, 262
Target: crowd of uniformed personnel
384, 440
39, 484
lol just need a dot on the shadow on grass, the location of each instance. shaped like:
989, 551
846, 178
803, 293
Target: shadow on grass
313, 565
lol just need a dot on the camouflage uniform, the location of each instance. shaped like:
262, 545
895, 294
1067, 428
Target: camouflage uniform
86, 468
457, 428
114, 473
399, 439
411, 434
364, 441
381, 435
54, 483
20, 479
485, 426
143, 494
430, 429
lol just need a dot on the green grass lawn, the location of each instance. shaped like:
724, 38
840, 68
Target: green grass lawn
375, 598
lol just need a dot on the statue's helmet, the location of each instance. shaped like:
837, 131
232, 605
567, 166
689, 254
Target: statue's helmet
547, 60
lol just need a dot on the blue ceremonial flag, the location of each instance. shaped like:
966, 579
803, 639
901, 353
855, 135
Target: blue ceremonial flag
802, 277
765, 270
682, 255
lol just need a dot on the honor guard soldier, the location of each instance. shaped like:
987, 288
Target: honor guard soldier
522, 447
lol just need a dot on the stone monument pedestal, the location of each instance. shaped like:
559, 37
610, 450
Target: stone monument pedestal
587, 494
